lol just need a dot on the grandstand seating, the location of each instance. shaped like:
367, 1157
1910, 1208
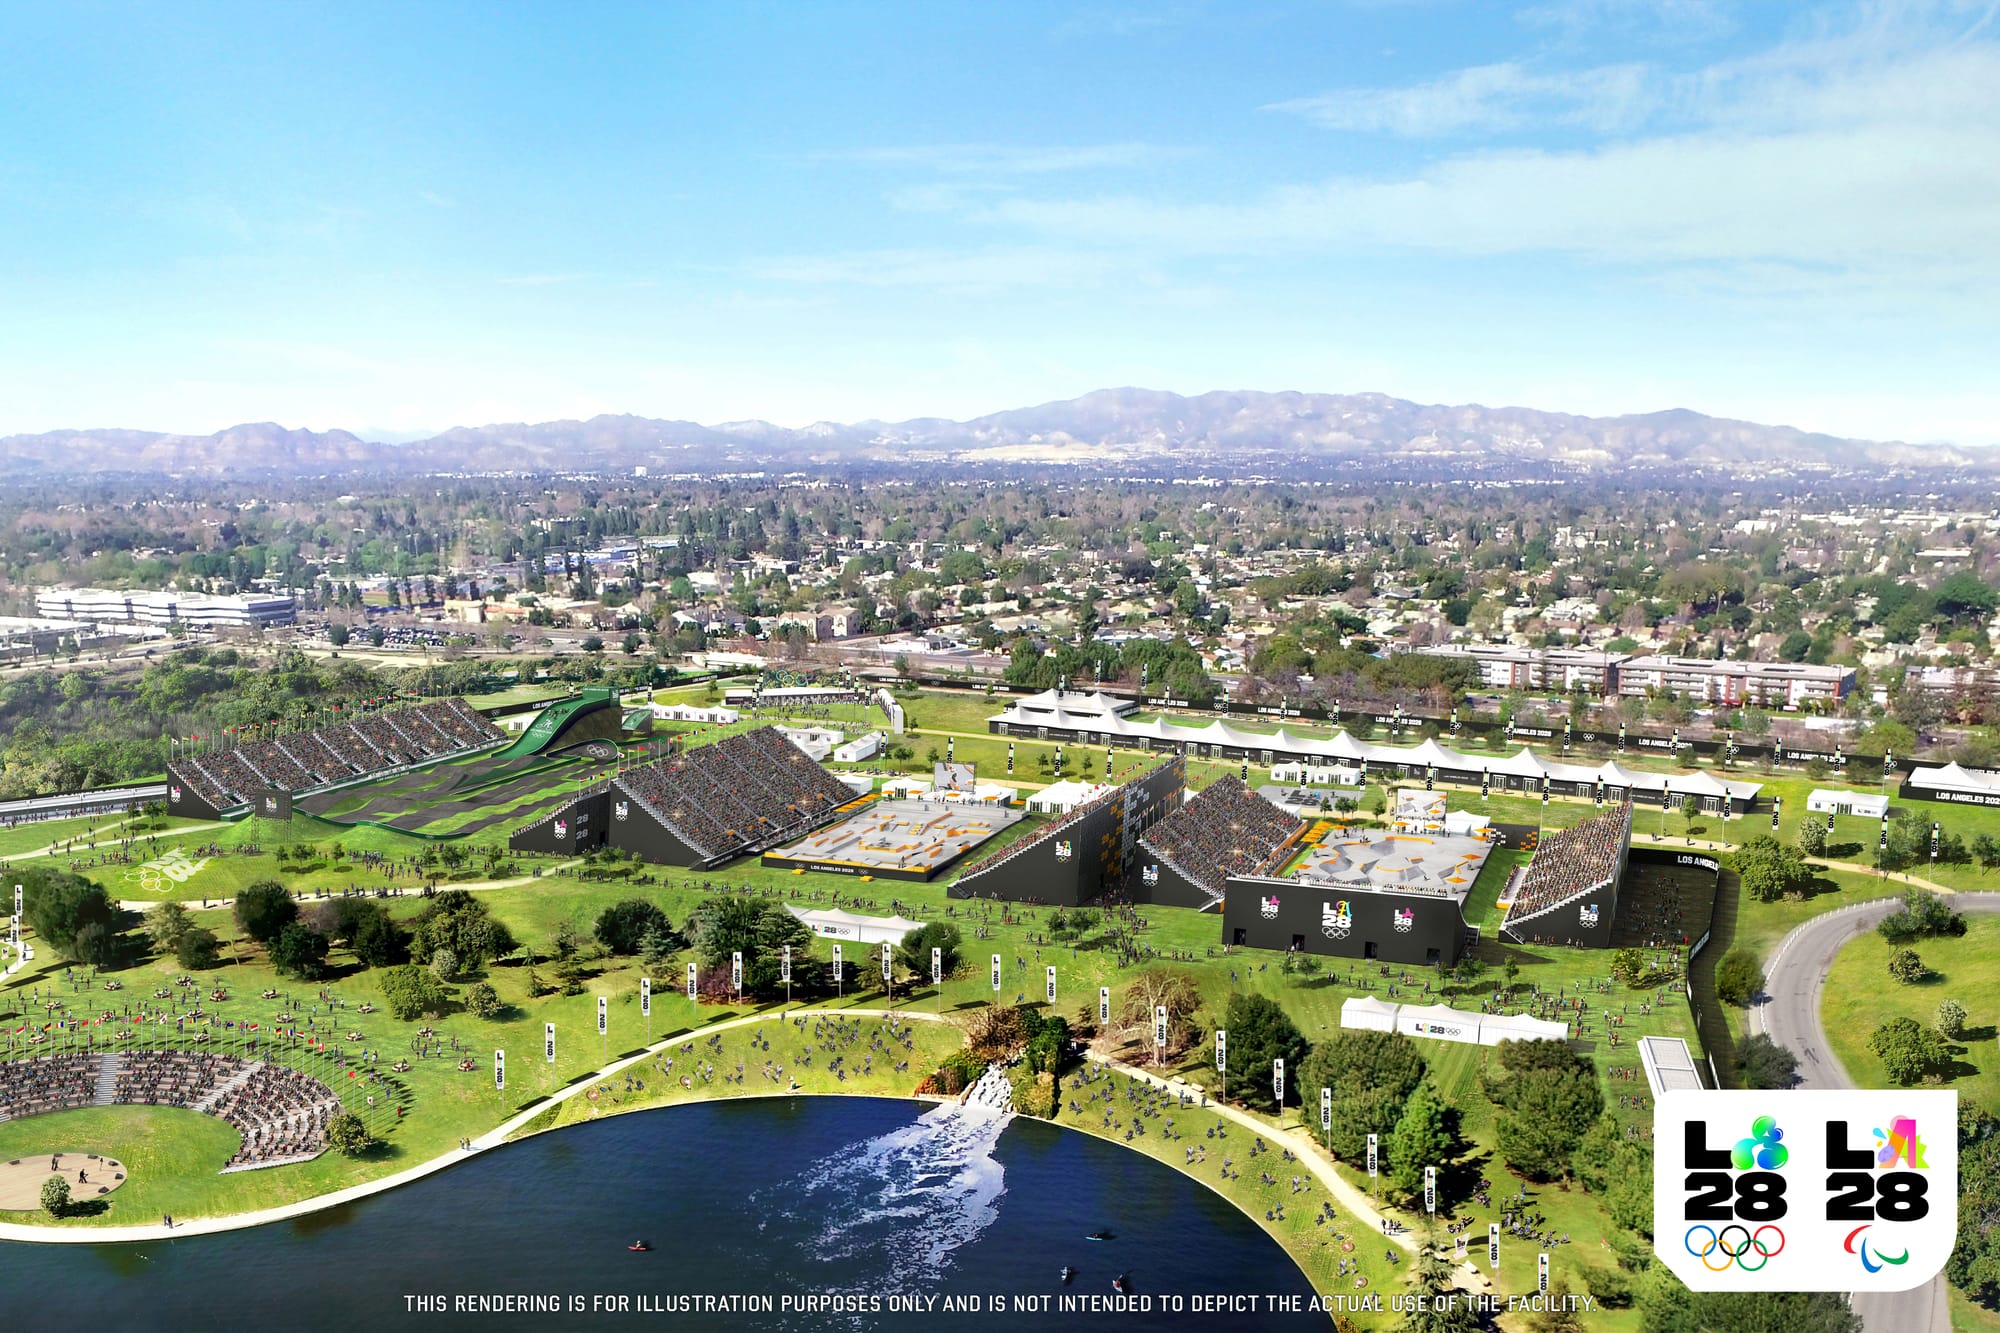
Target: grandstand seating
1570, 863
723, 798
1226, 830
360, 745
311, 752
193, 774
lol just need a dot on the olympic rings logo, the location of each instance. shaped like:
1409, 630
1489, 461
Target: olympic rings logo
1734, 1252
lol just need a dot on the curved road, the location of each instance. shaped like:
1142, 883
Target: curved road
1793, 977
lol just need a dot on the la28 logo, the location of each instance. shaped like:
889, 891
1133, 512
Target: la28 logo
1860, 1193
1755, 1195
1841, 1192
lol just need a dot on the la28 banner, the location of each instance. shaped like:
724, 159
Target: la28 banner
1805, 1190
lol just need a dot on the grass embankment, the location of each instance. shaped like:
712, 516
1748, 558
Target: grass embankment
780, 1054
1860, 996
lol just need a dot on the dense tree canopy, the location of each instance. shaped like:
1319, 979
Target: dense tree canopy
1259, 1033
1372, 1074
72, 915
1548, 1096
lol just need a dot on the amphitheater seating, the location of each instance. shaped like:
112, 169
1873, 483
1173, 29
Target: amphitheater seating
1225, 830
47, 1083
364, 744
722, 799
281, 1112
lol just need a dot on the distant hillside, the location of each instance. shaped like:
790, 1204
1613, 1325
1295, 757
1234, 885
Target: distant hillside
1218, 432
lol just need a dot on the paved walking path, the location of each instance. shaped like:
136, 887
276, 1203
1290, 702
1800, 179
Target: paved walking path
1309, 1152
472, 886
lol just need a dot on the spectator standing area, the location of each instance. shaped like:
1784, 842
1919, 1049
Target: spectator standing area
21, 1179
1568, 894
908, 840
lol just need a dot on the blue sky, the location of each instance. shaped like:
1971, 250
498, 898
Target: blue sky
400, 218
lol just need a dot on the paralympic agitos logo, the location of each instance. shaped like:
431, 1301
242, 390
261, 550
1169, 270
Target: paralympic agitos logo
1805, 1190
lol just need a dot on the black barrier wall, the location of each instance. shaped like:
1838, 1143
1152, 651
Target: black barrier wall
633, 827
568, 830
1089, 855
1342, 921
183, 800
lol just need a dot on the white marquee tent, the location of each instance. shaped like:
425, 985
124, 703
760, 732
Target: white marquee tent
1441, 1022
838, 925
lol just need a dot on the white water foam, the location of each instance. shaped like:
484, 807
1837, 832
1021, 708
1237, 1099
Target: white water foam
898, 1205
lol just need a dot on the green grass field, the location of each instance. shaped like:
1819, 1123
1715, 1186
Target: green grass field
446, 1104
1861, 995
521, 694
170, 1156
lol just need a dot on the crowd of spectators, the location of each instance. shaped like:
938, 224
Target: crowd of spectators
274, 765
1227, 829
281, 1113
311, 752
741, 790
47, 1083
366, 744
1573, 861
171, 1078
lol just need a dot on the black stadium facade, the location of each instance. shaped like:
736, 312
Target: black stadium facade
1084, 855
1225, 849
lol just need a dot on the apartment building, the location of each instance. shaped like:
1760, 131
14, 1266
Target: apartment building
1784, 685
165, 609
1505, 667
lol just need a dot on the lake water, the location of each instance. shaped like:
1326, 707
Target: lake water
769, 1198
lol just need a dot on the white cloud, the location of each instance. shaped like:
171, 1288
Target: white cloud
1880, 172
1488, 99
1694, 18
539, 279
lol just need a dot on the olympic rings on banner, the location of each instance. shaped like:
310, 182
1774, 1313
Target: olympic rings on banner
1735, 1252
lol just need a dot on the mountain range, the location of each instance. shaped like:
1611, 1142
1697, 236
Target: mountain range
1136, 431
